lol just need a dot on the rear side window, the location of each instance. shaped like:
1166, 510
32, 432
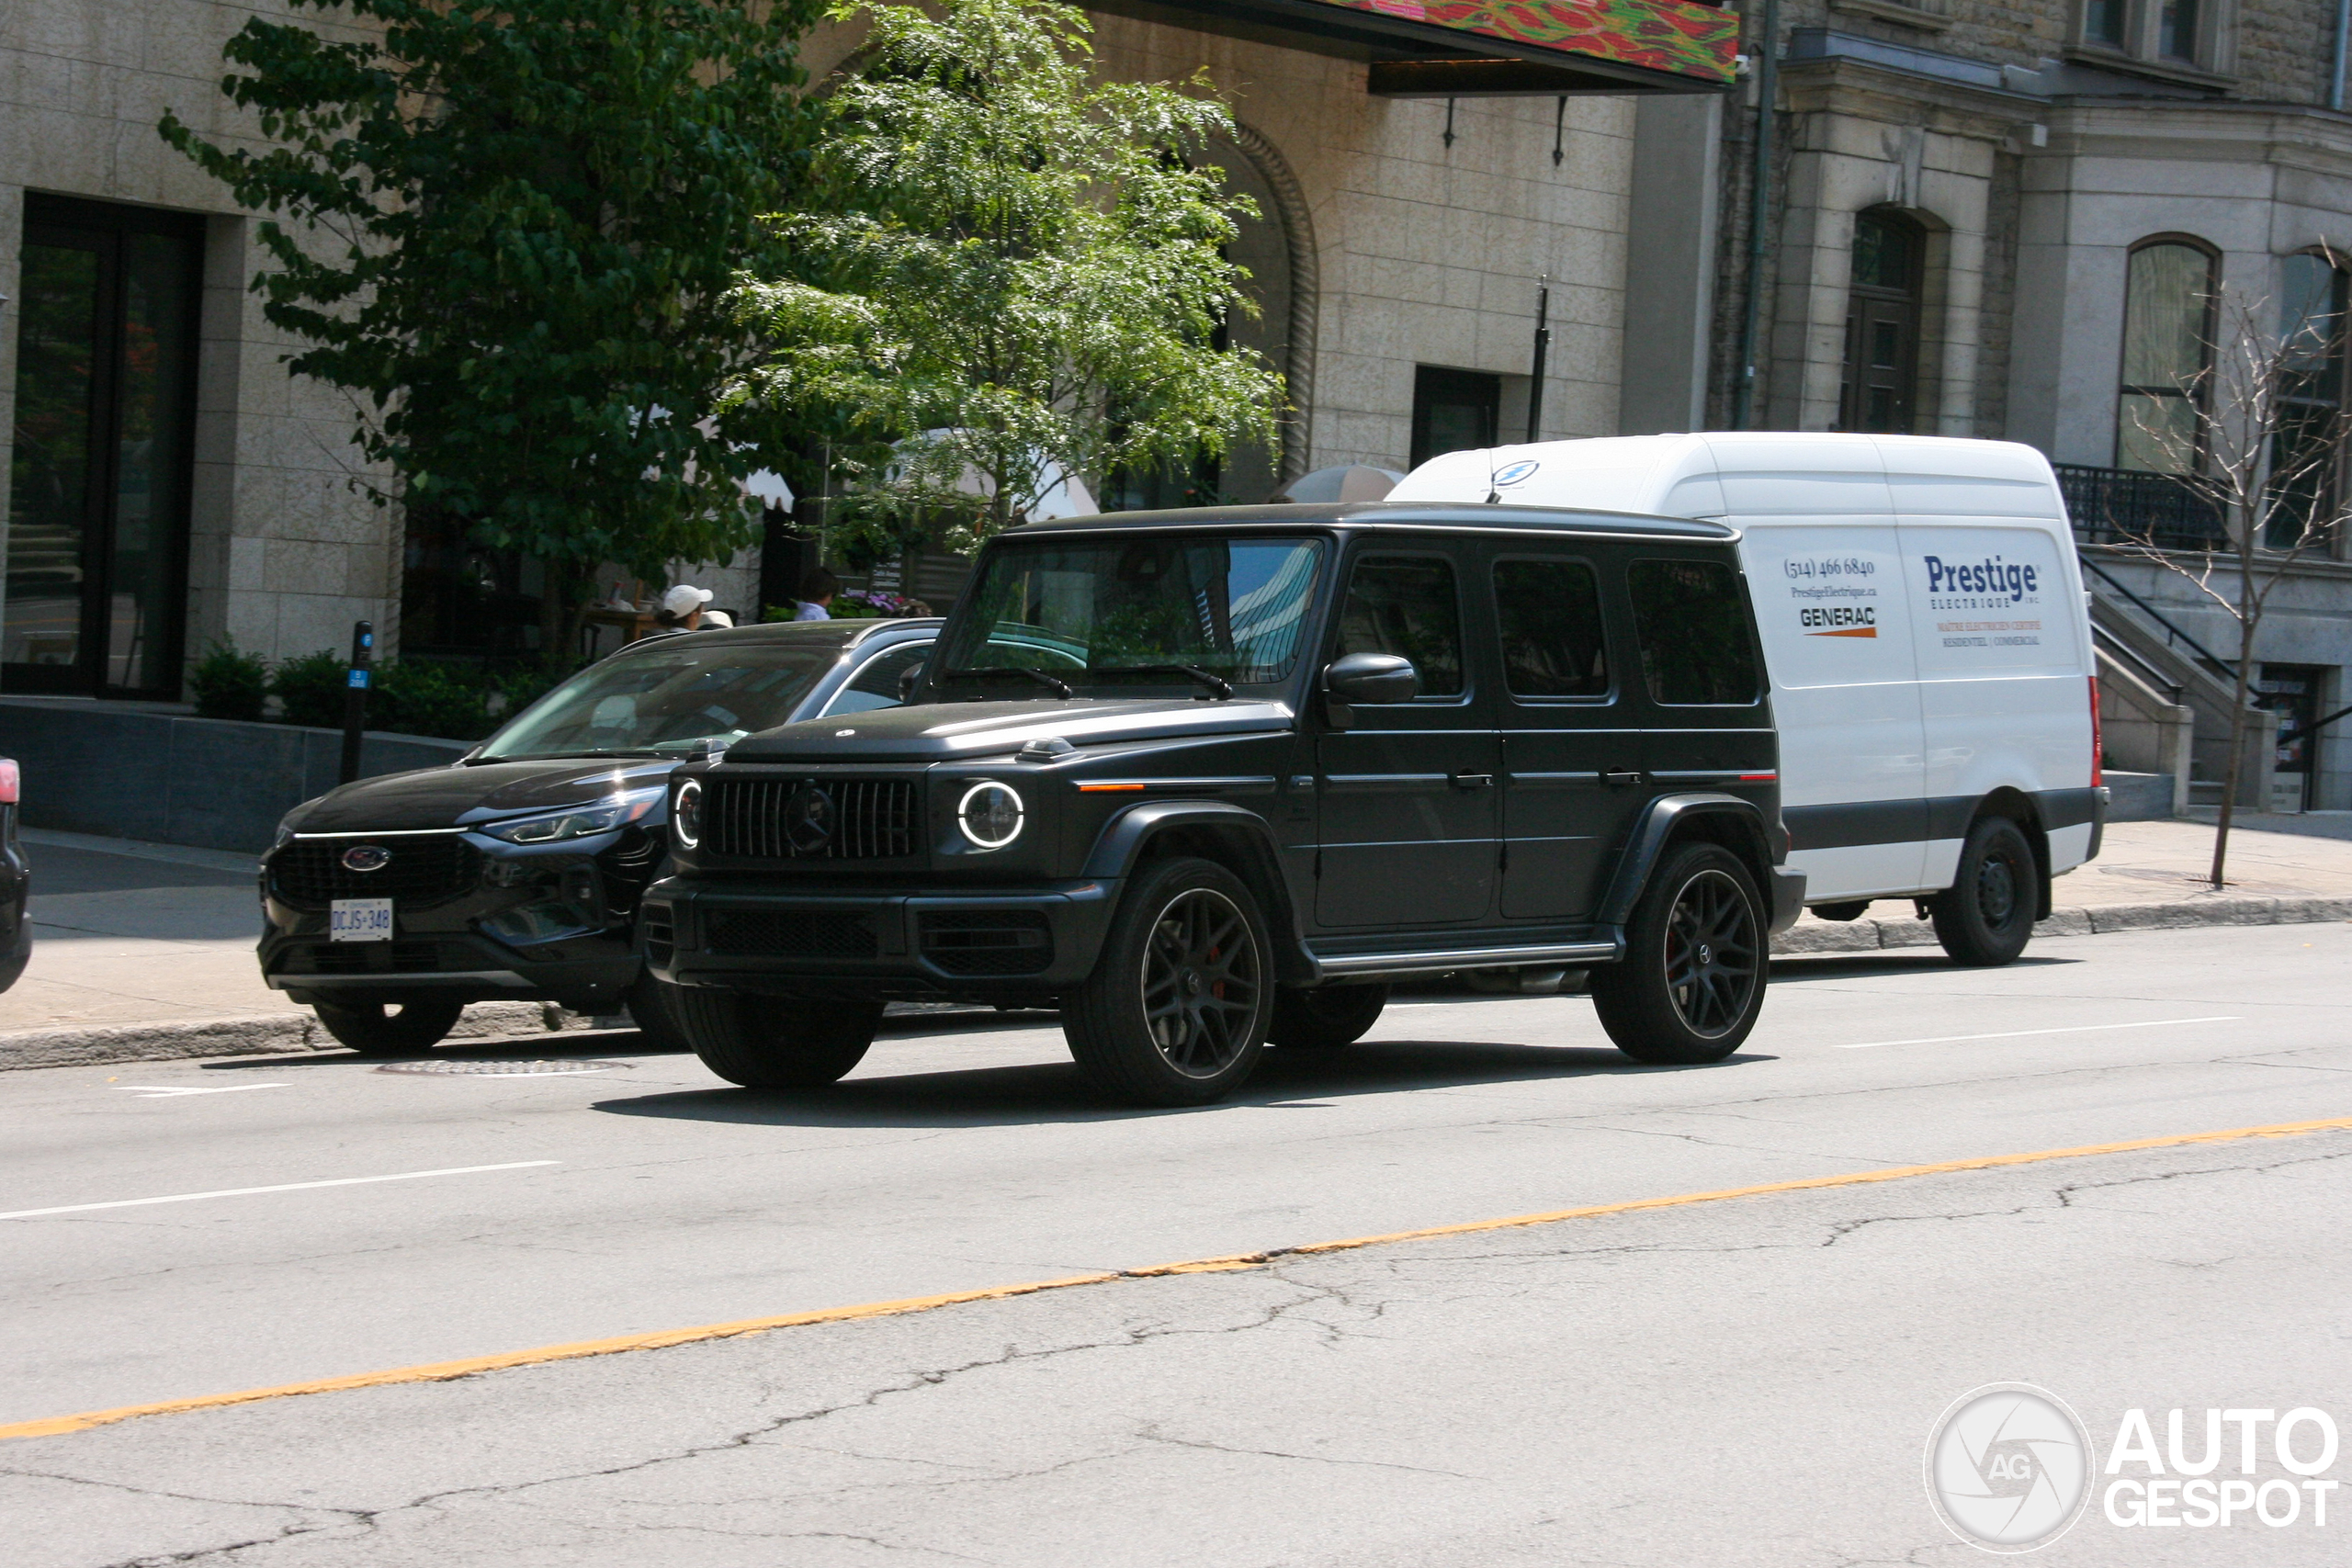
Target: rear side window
1692, 621
1405, 605
1550, 615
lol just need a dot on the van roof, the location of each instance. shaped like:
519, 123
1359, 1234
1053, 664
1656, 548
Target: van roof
1755, 473
1535, 517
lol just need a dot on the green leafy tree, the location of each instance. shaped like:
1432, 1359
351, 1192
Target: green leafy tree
515, 227
1007, 267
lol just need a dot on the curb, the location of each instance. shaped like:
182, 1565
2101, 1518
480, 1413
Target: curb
280, 1033
300, 1033
1870, 936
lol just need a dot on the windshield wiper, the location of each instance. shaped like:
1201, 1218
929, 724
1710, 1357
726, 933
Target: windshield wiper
555, 756
1060, 688
1215, 682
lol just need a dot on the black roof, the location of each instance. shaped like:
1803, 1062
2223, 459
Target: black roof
1502, 516
845, 633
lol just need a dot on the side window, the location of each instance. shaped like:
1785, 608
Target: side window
1691, 617
876, 684
1550, 615
1406, 604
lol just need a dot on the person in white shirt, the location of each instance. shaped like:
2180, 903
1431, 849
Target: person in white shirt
817, 590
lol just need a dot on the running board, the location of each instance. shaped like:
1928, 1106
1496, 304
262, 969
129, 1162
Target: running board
1384, 966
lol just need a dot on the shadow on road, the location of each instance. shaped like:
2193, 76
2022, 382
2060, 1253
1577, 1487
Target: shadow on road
569, 1045
1871, 965
1030, 1092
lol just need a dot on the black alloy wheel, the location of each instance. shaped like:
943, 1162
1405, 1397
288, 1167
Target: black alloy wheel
1175, 1011
1692, 983
773, 1043
1325, 1018
1985, 918
380, 1029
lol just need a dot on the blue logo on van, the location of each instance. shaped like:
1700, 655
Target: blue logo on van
1516, 473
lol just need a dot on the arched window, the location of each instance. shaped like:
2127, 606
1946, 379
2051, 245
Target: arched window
1878, 391
2168, 356
2304, 456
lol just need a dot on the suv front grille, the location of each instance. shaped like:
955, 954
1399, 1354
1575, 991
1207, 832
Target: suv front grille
789, 933
767, 818
365, 958
988, 941
424, 870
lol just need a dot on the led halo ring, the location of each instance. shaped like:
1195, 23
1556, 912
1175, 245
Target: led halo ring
963, 816
686, 806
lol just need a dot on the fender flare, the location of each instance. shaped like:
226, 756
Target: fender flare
1657, 828
1125, 836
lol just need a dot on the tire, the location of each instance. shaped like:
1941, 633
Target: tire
1692, 980
1175, 1013
1325, 1018
771, 1043
375, 1029
653, 1005
1985, 918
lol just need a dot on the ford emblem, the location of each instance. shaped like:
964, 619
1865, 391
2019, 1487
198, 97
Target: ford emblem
809, 820
367, 857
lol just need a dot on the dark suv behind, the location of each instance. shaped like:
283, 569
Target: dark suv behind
1210, 780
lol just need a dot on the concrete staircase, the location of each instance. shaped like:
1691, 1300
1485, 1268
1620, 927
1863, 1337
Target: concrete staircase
2165, 709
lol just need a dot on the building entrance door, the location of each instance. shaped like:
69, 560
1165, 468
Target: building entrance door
99, 481
1879, 391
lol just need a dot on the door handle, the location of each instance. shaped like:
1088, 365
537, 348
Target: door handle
1621, 777
1473, 781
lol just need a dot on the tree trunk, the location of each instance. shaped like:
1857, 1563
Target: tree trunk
2237, 768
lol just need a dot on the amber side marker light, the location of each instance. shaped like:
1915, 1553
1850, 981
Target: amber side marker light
1108, 789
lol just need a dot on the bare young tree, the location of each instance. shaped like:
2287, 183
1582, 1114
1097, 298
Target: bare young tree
2258, 432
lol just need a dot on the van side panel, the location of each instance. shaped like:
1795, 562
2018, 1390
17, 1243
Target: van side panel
2003, 659
1836, 623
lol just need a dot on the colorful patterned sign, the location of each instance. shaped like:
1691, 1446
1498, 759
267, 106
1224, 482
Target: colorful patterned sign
1679, 37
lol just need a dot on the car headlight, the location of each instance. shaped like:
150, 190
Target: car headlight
990, 815
578, 821
685, 814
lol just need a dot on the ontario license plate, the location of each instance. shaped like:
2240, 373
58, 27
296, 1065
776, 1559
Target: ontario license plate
360, 919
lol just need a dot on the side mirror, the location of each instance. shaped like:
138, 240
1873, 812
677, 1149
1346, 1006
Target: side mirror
908, 678
1373, 678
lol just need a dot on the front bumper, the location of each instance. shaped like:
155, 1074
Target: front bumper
452, 965
883, 941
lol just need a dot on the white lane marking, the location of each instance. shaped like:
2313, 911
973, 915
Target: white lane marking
2018, 1034
158, 1091
282, 1186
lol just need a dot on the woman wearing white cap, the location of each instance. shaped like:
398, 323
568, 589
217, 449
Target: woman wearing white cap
681, 608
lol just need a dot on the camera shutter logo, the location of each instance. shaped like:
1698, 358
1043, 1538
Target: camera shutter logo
367, 857
809, 820
2009, 1468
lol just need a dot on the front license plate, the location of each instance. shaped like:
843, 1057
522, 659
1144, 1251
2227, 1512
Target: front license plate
360, 919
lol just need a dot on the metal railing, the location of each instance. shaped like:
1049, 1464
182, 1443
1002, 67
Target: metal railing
2125, 506
2172, 634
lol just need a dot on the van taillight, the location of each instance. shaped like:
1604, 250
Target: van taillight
9, 782
2098, 777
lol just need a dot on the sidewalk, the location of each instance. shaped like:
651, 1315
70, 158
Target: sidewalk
145, 952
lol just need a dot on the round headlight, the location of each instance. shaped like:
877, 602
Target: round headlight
685, 814
990, 815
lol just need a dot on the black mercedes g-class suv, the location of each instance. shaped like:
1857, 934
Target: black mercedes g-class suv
1210, 780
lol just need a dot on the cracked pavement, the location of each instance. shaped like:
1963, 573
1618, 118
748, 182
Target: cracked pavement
1744, 1381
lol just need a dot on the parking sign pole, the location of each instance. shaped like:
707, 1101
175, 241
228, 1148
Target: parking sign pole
355, 698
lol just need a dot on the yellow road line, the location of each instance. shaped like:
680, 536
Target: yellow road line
442, 1371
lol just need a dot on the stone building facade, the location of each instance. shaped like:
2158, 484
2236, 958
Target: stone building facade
1978, 220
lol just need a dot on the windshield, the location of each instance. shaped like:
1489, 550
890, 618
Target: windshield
664, 700
1153, 610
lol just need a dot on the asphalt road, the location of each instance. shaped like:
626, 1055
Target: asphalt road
1745, 1381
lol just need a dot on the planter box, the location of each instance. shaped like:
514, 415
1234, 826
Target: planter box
147, 771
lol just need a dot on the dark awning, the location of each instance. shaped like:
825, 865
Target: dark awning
1461, 48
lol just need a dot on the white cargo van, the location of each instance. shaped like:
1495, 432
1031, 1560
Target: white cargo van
1930, 648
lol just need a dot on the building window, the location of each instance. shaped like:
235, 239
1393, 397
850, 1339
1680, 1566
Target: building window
2305, 456
99, 485
1878, 389
2167, 359
2162, 36
1454, 411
